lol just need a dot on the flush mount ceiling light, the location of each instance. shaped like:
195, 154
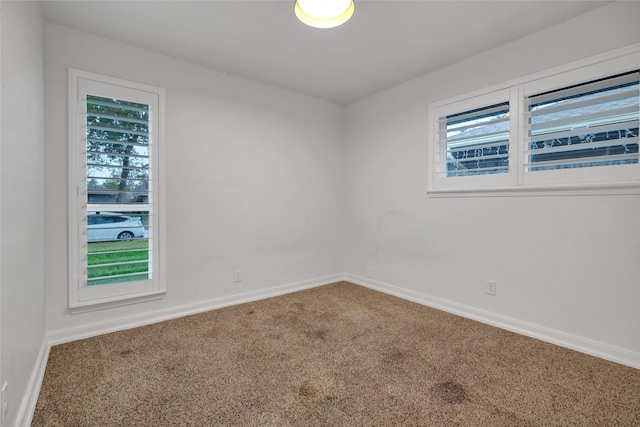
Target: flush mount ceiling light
324, 13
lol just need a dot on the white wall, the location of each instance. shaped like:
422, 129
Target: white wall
253, 176
22, 217
569, 266
258, 178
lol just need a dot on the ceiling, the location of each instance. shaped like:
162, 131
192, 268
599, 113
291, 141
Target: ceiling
385, 43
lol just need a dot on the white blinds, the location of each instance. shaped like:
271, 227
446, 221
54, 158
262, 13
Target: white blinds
117, 150
589, 124
118, 181
475, 142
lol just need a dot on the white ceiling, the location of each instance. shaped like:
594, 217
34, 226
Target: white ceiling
385, 43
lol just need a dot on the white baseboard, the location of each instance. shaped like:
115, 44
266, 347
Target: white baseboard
584, 345
30, 399
72, 334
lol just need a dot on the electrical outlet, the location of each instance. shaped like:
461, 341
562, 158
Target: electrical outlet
369, 272
491, 287
237, 276
4, 401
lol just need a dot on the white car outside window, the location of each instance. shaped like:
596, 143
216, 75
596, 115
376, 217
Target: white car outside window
113, 226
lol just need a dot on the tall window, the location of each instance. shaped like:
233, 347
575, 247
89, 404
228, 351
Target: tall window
115, 141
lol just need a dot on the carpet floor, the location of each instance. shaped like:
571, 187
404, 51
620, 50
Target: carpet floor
337, 355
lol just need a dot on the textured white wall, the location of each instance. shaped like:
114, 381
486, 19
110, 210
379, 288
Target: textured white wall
253, 178
22, 217
567, 264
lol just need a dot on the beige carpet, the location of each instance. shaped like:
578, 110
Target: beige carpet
338, 355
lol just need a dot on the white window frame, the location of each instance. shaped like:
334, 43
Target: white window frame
82, 297
619, 179
466, 104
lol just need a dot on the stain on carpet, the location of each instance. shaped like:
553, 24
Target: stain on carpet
394, 355
317, 391
306, 389
212, 333
298, 306
450, 392
319, 334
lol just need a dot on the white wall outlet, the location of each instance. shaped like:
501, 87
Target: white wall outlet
237, 276
4, 401
491, 287
369, 272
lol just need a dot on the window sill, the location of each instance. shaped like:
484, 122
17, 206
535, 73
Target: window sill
609, 189
103, 303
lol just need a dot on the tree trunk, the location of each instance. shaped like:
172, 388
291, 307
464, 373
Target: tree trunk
124, 175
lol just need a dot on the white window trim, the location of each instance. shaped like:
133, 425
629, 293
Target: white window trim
587, 182
477, 181
83, 298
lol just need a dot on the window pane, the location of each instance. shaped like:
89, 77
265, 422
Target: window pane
117, 159
118, 261
117, 151
117, 247
476, 141
590, 124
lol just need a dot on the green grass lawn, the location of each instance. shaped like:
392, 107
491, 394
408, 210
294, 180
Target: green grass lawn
104, 253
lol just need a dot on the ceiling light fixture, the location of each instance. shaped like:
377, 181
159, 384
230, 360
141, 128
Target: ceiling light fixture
324, 13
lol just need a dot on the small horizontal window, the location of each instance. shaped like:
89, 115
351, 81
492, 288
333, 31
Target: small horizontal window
477, 141
567, 128
586, 125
